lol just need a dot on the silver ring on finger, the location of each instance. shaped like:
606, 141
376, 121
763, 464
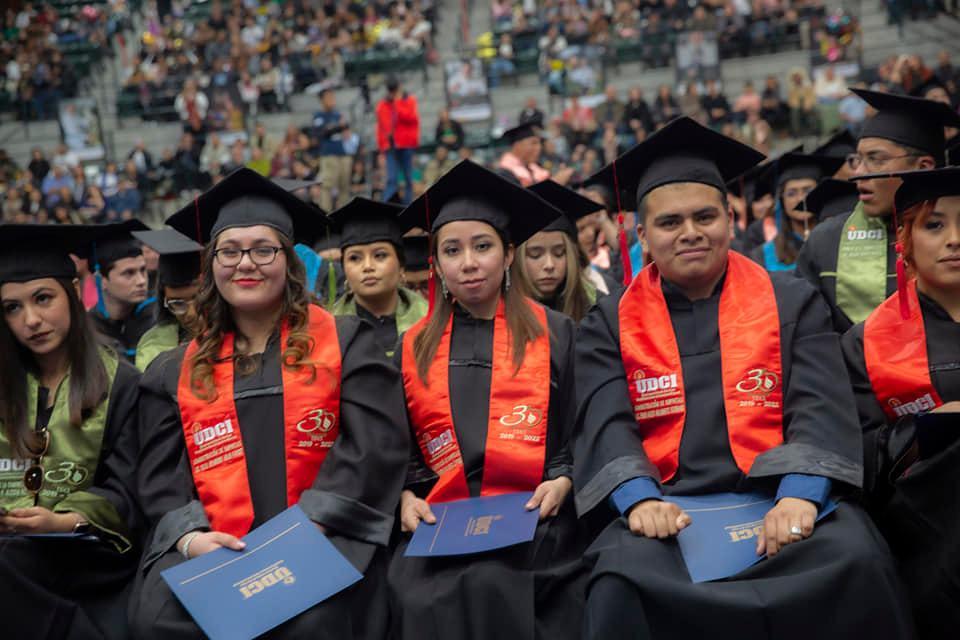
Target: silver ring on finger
796, 531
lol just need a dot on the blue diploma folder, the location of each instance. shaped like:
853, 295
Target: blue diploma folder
287, 567
721, 540
475, 525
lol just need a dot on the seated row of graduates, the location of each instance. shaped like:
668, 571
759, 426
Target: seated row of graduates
756, 398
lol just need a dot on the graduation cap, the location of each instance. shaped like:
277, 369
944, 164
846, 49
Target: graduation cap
179, 255
913, 122
798, 166
245, 199
111, 242
471, 192
932, 83
921, 186
34, 251
522, 131
416, 252
753, 184
571, 204
683, 151
953, 151
839, 145
363, 221
830, 198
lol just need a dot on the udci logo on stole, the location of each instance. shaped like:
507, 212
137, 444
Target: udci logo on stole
923, 403
745, 531
480, 526
759, 383
16, 465
273, 575
864, 234
655, 396
205, 435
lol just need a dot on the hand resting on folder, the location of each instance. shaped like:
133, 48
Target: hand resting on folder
548, 496
663, 519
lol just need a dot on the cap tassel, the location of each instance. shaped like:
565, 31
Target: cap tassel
622, 234
98, 282
901, 271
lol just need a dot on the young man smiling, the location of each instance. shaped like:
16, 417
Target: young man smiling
709, 375
851, 259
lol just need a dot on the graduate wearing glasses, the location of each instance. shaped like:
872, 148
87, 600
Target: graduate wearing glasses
177, 286
487, 376
275, 367
711, 375
850, 258
904, 363
68, 409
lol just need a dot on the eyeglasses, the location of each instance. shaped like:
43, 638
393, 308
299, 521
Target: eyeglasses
178, 306
33, 476
260, 256
873, 162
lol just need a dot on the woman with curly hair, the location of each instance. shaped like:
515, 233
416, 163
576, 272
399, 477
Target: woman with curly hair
271, 405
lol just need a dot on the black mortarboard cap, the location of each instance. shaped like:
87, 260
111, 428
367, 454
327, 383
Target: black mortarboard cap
34, 251
933, 82
571, 204
245, 199
840, 145
830, 198
752, 184
908, 121
363, 221
179, 255
683, 151
796, 166
112, 242
416, 251
920, 186
522, 131
471, 192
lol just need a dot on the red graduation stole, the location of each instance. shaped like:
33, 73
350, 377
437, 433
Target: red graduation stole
517, 428
749, 352
895, 352
212, 429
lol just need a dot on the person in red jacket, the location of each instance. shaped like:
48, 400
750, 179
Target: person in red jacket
398, 134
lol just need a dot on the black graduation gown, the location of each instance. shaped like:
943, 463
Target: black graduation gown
527, 591
640, 587
918, 512
76, 588
354, 496
123, 335
819, 256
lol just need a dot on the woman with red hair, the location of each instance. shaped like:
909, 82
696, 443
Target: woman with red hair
904, 363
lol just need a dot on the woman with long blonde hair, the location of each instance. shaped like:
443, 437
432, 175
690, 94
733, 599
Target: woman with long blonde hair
294, 399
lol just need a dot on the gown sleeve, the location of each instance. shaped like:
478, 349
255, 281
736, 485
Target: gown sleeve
563, 402
608, 448
110, 504
821, 436
876, 432
164, 481
358, 488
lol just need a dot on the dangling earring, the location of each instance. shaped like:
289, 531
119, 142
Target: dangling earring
506, 280
443, 289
